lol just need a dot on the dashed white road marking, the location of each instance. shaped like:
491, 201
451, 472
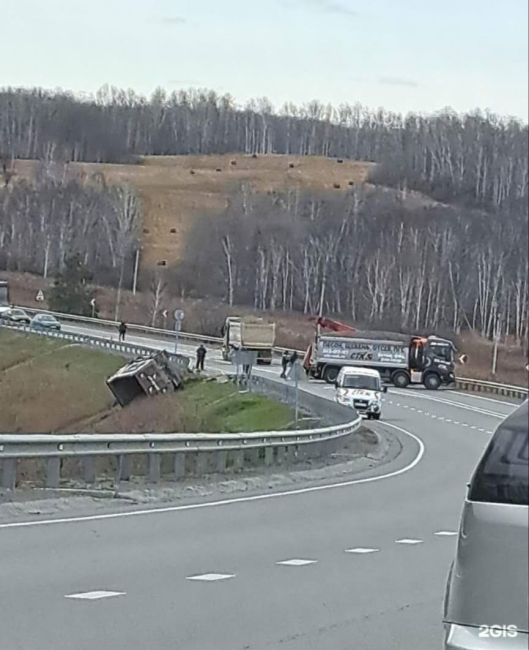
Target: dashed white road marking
408, 540
448, 420
211, 577
361, 550
296, 562
464, 424
461, 405
446, 533
95, 595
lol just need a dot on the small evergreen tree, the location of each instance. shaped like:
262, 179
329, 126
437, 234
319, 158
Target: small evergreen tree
70, 293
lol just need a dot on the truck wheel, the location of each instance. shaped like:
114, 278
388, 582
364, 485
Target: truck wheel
432, 381
330, 374
376, 416
400, 379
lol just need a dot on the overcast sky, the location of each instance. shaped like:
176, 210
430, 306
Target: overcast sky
404, 55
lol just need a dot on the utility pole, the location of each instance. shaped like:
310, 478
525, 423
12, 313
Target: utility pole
136, 268
495, 349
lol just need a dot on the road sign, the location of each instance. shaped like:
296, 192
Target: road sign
93, 302
40, 296
165, 313
178, 318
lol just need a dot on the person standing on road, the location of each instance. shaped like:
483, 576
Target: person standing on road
292, 362
285, 358
201, 357
122, 329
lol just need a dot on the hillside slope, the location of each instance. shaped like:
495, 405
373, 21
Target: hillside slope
176, 189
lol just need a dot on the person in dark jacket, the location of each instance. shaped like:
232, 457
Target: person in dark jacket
292, 362
285, 358
201, 356
122, 329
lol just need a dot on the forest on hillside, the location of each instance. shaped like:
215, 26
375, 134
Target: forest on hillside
52, 218
368, 256
459, 261
476, 158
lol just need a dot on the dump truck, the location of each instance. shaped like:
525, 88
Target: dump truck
149, 375
418, 360
252, 334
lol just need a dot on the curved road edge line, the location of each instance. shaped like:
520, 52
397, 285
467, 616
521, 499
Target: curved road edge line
226, 502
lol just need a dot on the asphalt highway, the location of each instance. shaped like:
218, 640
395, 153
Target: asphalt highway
356, 564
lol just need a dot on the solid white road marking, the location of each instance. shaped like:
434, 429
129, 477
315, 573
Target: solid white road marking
296, 562
446, 533
211, 577
360, 550
95, 595
408, 540
228, 502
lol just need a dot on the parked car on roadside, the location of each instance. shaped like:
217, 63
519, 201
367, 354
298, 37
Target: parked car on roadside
15, 315
487, 598
45, 322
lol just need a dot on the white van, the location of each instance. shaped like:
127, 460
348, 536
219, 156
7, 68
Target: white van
362, 389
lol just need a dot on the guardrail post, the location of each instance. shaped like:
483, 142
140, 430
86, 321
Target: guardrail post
220, 461
179, 465
282, 454
9, 473
269, 456
238, 459
154, 463
252, 457
89, 469
53, 472
201, 463
123, 469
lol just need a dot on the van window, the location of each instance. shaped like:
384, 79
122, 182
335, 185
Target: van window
360, 381
502, 475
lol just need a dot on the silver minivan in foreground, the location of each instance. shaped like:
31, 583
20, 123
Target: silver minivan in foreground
486, 601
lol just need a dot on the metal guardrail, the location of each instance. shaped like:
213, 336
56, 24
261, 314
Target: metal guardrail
481, 386
127, 349
131, 327
191, 454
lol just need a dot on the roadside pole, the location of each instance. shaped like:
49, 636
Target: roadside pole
135, 275
297, 370
178, 318
495, 349
495, 355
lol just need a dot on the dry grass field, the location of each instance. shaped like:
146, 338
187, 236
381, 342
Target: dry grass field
177, 189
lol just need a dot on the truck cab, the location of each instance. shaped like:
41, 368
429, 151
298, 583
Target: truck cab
361, 388
431, 362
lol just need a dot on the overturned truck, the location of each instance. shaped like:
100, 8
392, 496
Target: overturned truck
150, 375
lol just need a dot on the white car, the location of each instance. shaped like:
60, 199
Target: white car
361, 388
